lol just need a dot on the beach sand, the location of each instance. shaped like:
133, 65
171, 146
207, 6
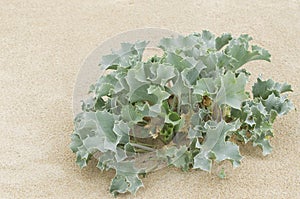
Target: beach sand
43, 45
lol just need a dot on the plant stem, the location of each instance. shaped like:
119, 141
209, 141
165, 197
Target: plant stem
142, 147
178, 104
152, 168
190, 97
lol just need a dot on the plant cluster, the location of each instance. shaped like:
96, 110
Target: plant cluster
187, 108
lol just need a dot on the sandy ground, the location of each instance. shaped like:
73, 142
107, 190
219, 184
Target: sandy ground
43, 45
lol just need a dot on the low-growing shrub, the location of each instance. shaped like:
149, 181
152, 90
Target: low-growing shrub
186, 108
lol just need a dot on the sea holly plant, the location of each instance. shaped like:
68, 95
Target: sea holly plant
186, 108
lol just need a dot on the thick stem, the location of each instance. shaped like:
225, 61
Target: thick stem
179, 104
152, 168
190, 97
217, 113
142, 147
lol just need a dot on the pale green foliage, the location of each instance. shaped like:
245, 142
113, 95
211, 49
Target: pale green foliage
188, 108
215, 146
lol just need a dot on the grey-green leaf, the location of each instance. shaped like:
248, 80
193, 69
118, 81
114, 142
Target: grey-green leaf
205, 86
215, 146
126, 56
82, 154
126, 178
265, 88
232, 90
222, 40
238, 50
281, 104
264, 144
96, 131
178, 157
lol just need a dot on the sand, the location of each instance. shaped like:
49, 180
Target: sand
43, 45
